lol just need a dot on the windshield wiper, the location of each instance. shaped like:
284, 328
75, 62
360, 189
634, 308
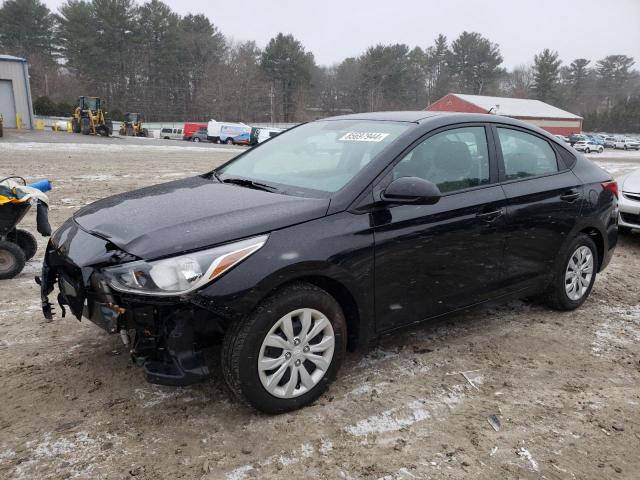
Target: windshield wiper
245, 182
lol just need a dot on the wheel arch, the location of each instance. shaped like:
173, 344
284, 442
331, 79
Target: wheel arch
598, 239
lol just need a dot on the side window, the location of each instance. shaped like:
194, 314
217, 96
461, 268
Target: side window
525, 155
454, 159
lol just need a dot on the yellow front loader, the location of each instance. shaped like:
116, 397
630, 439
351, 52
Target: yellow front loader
90, 119
132, 126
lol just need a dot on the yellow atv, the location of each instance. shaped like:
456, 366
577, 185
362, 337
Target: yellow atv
90, 119
132, 126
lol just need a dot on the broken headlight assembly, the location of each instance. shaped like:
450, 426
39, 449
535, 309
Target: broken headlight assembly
183, 273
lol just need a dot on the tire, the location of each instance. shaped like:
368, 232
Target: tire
556, 295
600, 150
625, 148
586, 150
196, 139
229, 141
75, 126
243, 348
11, 260
85, 126
27, 243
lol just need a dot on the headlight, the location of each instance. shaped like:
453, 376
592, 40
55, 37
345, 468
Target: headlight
181, 274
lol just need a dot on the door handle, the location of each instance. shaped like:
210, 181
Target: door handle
570, 196
490, 216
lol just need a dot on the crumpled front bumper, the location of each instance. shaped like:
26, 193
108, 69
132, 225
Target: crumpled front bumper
160, 332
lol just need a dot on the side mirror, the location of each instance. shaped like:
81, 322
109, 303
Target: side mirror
412, 190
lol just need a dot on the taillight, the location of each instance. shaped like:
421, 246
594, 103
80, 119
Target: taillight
611, 186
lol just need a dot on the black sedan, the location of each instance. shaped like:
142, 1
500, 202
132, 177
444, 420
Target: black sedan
327, 236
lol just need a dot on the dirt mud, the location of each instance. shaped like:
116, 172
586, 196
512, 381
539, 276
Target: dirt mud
563, 389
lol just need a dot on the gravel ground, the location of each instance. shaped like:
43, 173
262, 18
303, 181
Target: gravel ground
564, 387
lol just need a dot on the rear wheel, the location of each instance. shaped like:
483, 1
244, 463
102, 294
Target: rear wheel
27, 242
286, 353
196, 139
11, 260
586, 150
574, 276
229, 141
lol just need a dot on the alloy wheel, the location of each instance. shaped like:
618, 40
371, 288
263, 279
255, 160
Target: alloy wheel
579, 273
296, 353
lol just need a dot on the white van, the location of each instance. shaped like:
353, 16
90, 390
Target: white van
225, 132
171, 133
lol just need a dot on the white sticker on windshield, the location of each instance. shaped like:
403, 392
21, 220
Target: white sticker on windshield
363, 137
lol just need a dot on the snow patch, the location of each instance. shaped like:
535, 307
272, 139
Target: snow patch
621, 327
107, 147
524, 453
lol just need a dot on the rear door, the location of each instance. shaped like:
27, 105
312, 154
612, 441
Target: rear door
431, 259
544, 200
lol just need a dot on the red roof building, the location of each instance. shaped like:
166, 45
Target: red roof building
543, 115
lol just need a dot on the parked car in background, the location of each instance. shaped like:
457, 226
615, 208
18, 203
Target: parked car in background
576, 137
595, 139
200, 136
627, 144
190, 128
609, 142
329, 236
588, 146
562, 138
262, 134
171, 133
629, 203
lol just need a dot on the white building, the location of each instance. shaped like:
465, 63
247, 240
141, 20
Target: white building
15, 93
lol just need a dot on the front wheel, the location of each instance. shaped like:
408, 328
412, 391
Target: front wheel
196, 139
285, 354
574, 276
586, 150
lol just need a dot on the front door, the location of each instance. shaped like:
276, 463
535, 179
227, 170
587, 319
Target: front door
432, 259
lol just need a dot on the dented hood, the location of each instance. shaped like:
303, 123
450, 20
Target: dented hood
191, 214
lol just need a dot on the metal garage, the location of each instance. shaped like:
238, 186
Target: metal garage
15, 92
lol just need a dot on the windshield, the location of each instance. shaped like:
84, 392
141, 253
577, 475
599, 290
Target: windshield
90, 103
321, 155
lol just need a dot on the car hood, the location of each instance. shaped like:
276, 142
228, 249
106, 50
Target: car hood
631, 183
190, 214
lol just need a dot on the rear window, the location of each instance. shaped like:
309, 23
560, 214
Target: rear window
526, 155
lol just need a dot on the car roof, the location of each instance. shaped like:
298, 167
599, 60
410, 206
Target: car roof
400, 116
428, 117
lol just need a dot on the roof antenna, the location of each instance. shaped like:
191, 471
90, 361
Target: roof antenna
495, 107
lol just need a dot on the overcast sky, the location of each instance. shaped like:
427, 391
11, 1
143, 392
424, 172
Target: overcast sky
336, 29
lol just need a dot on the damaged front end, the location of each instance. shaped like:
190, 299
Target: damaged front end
165, 333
